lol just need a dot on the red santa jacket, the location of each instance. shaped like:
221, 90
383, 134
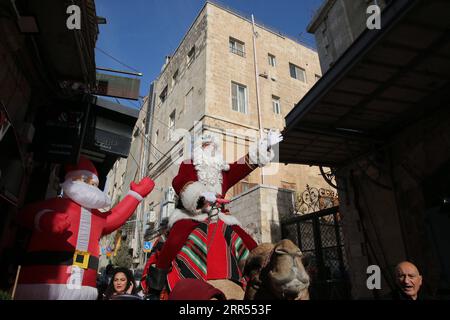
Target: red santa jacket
198, 248
50, 256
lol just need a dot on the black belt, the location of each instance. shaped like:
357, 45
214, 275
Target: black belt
64, 258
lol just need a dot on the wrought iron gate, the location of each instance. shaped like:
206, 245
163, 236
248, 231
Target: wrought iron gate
319, 236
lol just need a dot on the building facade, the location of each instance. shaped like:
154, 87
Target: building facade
233, 79
336, 25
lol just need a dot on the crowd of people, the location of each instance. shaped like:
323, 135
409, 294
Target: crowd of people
118, 283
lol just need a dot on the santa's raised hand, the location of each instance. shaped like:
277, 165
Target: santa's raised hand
144, 187
53, 262
273, 137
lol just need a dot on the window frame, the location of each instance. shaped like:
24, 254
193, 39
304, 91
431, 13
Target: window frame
293, 67
272, 60
276, 100
191, 56
175, 77
237, 97
163, 94
233, 48
171, 126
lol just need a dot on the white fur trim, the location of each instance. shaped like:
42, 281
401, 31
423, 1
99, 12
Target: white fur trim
178, 215
191, 194
135, 195
37, 218
258, 153
76, 173
229, 220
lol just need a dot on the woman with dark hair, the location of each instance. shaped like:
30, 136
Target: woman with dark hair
122, 284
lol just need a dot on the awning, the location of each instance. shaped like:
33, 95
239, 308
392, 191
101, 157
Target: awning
109, 133
385, 81
67, 54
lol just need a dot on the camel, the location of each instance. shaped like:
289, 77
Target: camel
276, 272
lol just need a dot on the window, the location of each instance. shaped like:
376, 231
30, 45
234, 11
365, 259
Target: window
191, 56
171, 123
317, 77
238, 97
272, 60
163, 94
156, 136
276, 105
237, 47
297, 72
175, 78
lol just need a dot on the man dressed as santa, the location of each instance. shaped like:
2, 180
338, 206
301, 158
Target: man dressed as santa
62, 257
204, 242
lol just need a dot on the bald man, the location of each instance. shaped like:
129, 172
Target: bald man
408, 280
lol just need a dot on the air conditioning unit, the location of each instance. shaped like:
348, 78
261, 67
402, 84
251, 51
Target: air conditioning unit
169, 194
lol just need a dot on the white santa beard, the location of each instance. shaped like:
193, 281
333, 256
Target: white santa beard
209, 168
85, 195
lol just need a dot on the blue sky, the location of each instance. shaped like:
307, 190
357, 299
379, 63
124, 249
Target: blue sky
141, 33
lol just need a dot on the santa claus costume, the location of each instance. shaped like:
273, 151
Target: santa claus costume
207, 246
62, 257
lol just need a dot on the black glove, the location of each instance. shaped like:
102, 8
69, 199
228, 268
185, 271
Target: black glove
156, 279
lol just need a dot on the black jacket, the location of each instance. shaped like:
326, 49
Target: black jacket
398, 294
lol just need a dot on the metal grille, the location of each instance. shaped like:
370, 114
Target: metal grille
327, 235
306, 236
319, 236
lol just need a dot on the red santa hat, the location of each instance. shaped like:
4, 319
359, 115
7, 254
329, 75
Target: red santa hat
83, 167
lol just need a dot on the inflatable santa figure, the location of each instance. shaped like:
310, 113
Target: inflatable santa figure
62, 257
204, 241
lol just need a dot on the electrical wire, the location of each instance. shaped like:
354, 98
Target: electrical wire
164, 155
139, 167
143, 134
117, 60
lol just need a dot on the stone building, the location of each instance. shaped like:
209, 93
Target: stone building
336, 25
231, 80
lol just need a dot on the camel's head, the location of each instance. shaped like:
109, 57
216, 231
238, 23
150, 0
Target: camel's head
287, 275
277, 271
